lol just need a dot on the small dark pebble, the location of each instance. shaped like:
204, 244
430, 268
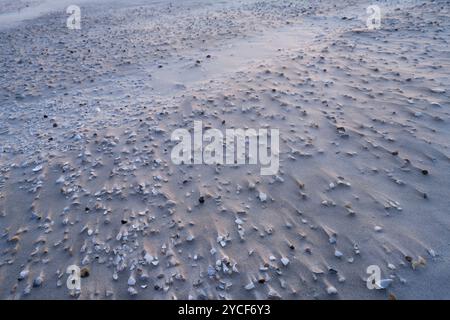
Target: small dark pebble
425, 172
201, 199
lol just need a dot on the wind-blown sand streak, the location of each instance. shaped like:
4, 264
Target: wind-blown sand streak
87, 179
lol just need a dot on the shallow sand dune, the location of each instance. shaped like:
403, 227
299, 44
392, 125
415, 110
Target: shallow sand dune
87, 177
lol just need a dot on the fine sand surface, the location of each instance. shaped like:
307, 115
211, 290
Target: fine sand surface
86, 176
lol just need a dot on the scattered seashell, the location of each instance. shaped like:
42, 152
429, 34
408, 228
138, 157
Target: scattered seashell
37, 282
211, 271
392, 296
274, 295
60, 180
338, 254
383, 283
131, 281
84, 272
27, 290
23, 274
250, 286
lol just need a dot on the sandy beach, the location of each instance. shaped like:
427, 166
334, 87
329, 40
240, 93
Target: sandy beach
87, 176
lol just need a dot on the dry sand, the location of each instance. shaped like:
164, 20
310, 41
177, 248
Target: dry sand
87, 179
